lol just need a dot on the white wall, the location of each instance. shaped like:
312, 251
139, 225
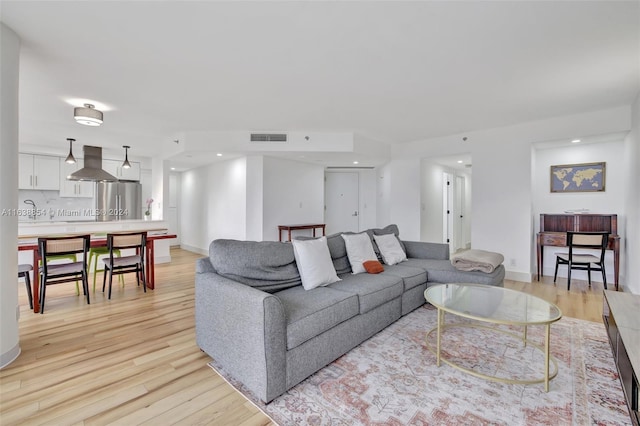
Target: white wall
631, 237
255, 197
9, 66
368, 203
247, 198
293, 193
216, 200
610, 201
404, 197
431, 201
383, 197
173, 206
501, 201
502, 188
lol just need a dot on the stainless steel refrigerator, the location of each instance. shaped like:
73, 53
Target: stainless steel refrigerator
121, 200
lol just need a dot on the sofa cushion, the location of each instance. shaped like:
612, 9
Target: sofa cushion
442, 271
372, 290
359, 250
389, 229
411, 276
338, 251
390, 249
314, 263
312, 312
267, 265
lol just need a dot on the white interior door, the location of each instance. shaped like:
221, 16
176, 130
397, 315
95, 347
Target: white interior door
341, 198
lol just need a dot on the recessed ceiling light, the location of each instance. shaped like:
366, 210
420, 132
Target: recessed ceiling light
575, 141
218, 155
459, 161
355, 162
173, 168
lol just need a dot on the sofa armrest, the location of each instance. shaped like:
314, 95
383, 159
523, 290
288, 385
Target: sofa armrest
244, 330
204, 265
422, 250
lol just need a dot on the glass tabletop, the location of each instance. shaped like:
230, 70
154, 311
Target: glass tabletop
493, 304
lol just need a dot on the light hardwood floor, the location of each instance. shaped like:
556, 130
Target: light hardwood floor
133, 359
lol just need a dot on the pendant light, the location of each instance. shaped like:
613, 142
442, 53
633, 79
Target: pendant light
88, 115
70, 158
126, 164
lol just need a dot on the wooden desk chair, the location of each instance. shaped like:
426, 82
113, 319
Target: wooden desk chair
23, 272
583, 261
64, 272
125, 264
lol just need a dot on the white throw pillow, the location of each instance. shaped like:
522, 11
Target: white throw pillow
390, 249
359, 250
314, 263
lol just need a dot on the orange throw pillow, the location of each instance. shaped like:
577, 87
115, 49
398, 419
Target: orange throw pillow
373, 266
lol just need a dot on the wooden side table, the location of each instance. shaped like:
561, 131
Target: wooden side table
289, 228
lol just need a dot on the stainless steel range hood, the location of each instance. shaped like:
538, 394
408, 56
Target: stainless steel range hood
92, 169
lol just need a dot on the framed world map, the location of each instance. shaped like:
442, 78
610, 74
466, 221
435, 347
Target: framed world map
586, 177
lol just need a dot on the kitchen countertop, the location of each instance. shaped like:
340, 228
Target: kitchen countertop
36, 229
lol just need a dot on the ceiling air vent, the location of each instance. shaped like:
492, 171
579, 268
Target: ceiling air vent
268, 137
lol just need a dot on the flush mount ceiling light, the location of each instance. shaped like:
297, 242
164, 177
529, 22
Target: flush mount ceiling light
70, 158
126, 164
88, 115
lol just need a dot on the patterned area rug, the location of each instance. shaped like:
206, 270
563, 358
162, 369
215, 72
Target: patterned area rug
392, 379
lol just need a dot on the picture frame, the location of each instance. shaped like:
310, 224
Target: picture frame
584, 177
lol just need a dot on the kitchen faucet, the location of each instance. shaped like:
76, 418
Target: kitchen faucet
33, 215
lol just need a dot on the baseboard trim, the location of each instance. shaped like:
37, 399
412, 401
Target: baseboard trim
193, 249
162, 259
10, 356
518, 276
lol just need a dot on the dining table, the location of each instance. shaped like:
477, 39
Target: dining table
97, 240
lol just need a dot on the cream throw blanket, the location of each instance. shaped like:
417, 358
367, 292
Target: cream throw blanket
477, 260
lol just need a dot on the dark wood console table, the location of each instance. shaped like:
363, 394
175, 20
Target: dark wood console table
620, 315
290, 228
554, 227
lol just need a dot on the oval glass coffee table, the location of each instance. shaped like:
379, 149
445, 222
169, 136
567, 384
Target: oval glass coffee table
493, 305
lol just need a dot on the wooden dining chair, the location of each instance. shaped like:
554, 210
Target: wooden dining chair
125, 264
50, 273
94, 256
584, 261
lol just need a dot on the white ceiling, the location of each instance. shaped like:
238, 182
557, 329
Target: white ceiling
390, 71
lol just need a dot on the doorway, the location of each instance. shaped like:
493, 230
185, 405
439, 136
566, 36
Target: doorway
341, 198
453, 214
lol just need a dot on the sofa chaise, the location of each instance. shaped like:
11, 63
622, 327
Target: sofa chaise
257, 321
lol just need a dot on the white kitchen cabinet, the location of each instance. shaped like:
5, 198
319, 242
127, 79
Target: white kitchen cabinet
74, 188
38, 172
115, 168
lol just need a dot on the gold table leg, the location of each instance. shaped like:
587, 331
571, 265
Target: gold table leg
546, 357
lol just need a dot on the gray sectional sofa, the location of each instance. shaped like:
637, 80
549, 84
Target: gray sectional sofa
254, 318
